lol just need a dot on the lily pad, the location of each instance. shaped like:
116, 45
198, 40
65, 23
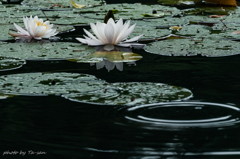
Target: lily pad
11, 14
7, 63
132, 93
41, 50
209, 11
33, 84
130, 11
89, 89
191, 47
60, 3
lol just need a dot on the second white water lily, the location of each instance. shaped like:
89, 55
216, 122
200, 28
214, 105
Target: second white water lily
110, 34
34, 28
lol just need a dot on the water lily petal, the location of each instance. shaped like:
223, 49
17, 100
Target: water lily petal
124, 44
135, 45
136, 38
89, 41
130, 30
101, 30
89, 34
117, 30
109, 32
122, 35
21, 30
95, 31
84, 41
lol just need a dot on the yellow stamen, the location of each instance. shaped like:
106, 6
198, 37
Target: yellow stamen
40, 23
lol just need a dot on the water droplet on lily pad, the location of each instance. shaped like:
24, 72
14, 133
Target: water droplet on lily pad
7, 63
132, 93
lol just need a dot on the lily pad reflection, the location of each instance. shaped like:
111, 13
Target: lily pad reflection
7, 63
49, 83
132, 93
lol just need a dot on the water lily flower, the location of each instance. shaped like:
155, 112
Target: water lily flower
34, 28
110, 34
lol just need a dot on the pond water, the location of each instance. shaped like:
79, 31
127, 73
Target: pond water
198, 121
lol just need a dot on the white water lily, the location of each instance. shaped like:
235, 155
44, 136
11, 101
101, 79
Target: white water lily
34, 28
110, 34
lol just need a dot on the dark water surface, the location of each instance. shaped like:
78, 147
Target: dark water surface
206, 126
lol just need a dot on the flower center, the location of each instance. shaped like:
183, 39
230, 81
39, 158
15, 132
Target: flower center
41, 24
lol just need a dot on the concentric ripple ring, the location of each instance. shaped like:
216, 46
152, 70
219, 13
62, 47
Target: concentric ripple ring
180, 115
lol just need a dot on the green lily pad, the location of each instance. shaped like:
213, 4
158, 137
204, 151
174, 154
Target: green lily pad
4, 30
129, 11
132, 93
88, 89
7, 63
14, 14
41, 50
60, 3
191, 47
209, 11
49, 83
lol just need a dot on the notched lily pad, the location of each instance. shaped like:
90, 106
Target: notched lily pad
7, 63
49, 83
132, 93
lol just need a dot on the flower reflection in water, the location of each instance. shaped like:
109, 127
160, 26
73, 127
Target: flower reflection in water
114, 59
111, 65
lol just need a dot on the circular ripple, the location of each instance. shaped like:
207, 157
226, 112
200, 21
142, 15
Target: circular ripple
180, 115
7, 63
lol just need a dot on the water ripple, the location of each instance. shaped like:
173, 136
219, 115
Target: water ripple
182, 115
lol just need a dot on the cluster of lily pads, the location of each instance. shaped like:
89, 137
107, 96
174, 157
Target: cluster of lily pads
208, 31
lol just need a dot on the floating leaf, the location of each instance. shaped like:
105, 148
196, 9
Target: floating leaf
59, 3
49, 83
40, 50
132, 93
129, 11
7, 63
191, 47
89, 89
